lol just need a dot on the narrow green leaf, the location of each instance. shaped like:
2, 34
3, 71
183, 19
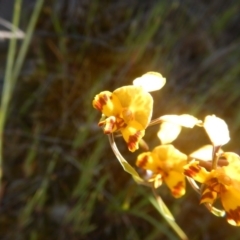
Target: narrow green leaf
165, 212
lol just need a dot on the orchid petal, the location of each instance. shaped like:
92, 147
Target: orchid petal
107, 103
208, 196
138, 101
176, 182
204, 153
132, 134
151, 81
184, 120
168, 132
195, 171
147, 161
170, 154
231, 203
217, 130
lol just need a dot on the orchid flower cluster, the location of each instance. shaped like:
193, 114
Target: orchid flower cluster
213, 173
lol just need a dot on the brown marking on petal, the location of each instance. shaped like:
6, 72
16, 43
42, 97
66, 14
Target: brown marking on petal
214, 185
207, 195
109, 128
97, 105
132, 140
135, 137
192, 171
109, 125
213, 182
178, 189
161, 172
132, 146
233, 216
102, 100
142, 162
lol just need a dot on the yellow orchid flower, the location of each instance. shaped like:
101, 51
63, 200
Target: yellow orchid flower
223, 183
166, 164
128, 109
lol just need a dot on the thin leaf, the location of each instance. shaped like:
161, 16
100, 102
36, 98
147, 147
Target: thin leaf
164, 211
8, 78
152, 221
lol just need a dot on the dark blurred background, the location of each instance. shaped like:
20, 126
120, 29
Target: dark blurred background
60, 177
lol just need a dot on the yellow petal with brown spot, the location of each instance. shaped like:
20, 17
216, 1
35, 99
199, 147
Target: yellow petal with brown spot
208, 196
147, 161
176, 182
231, 203
132, 134
109, 125
107, 103
196, 172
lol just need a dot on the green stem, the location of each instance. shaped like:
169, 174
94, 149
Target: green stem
125, 165
8, 78
26, 42
13, 70
164, 211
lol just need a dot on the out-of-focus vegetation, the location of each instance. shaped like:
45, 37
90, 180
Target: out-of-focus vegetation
60, 177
